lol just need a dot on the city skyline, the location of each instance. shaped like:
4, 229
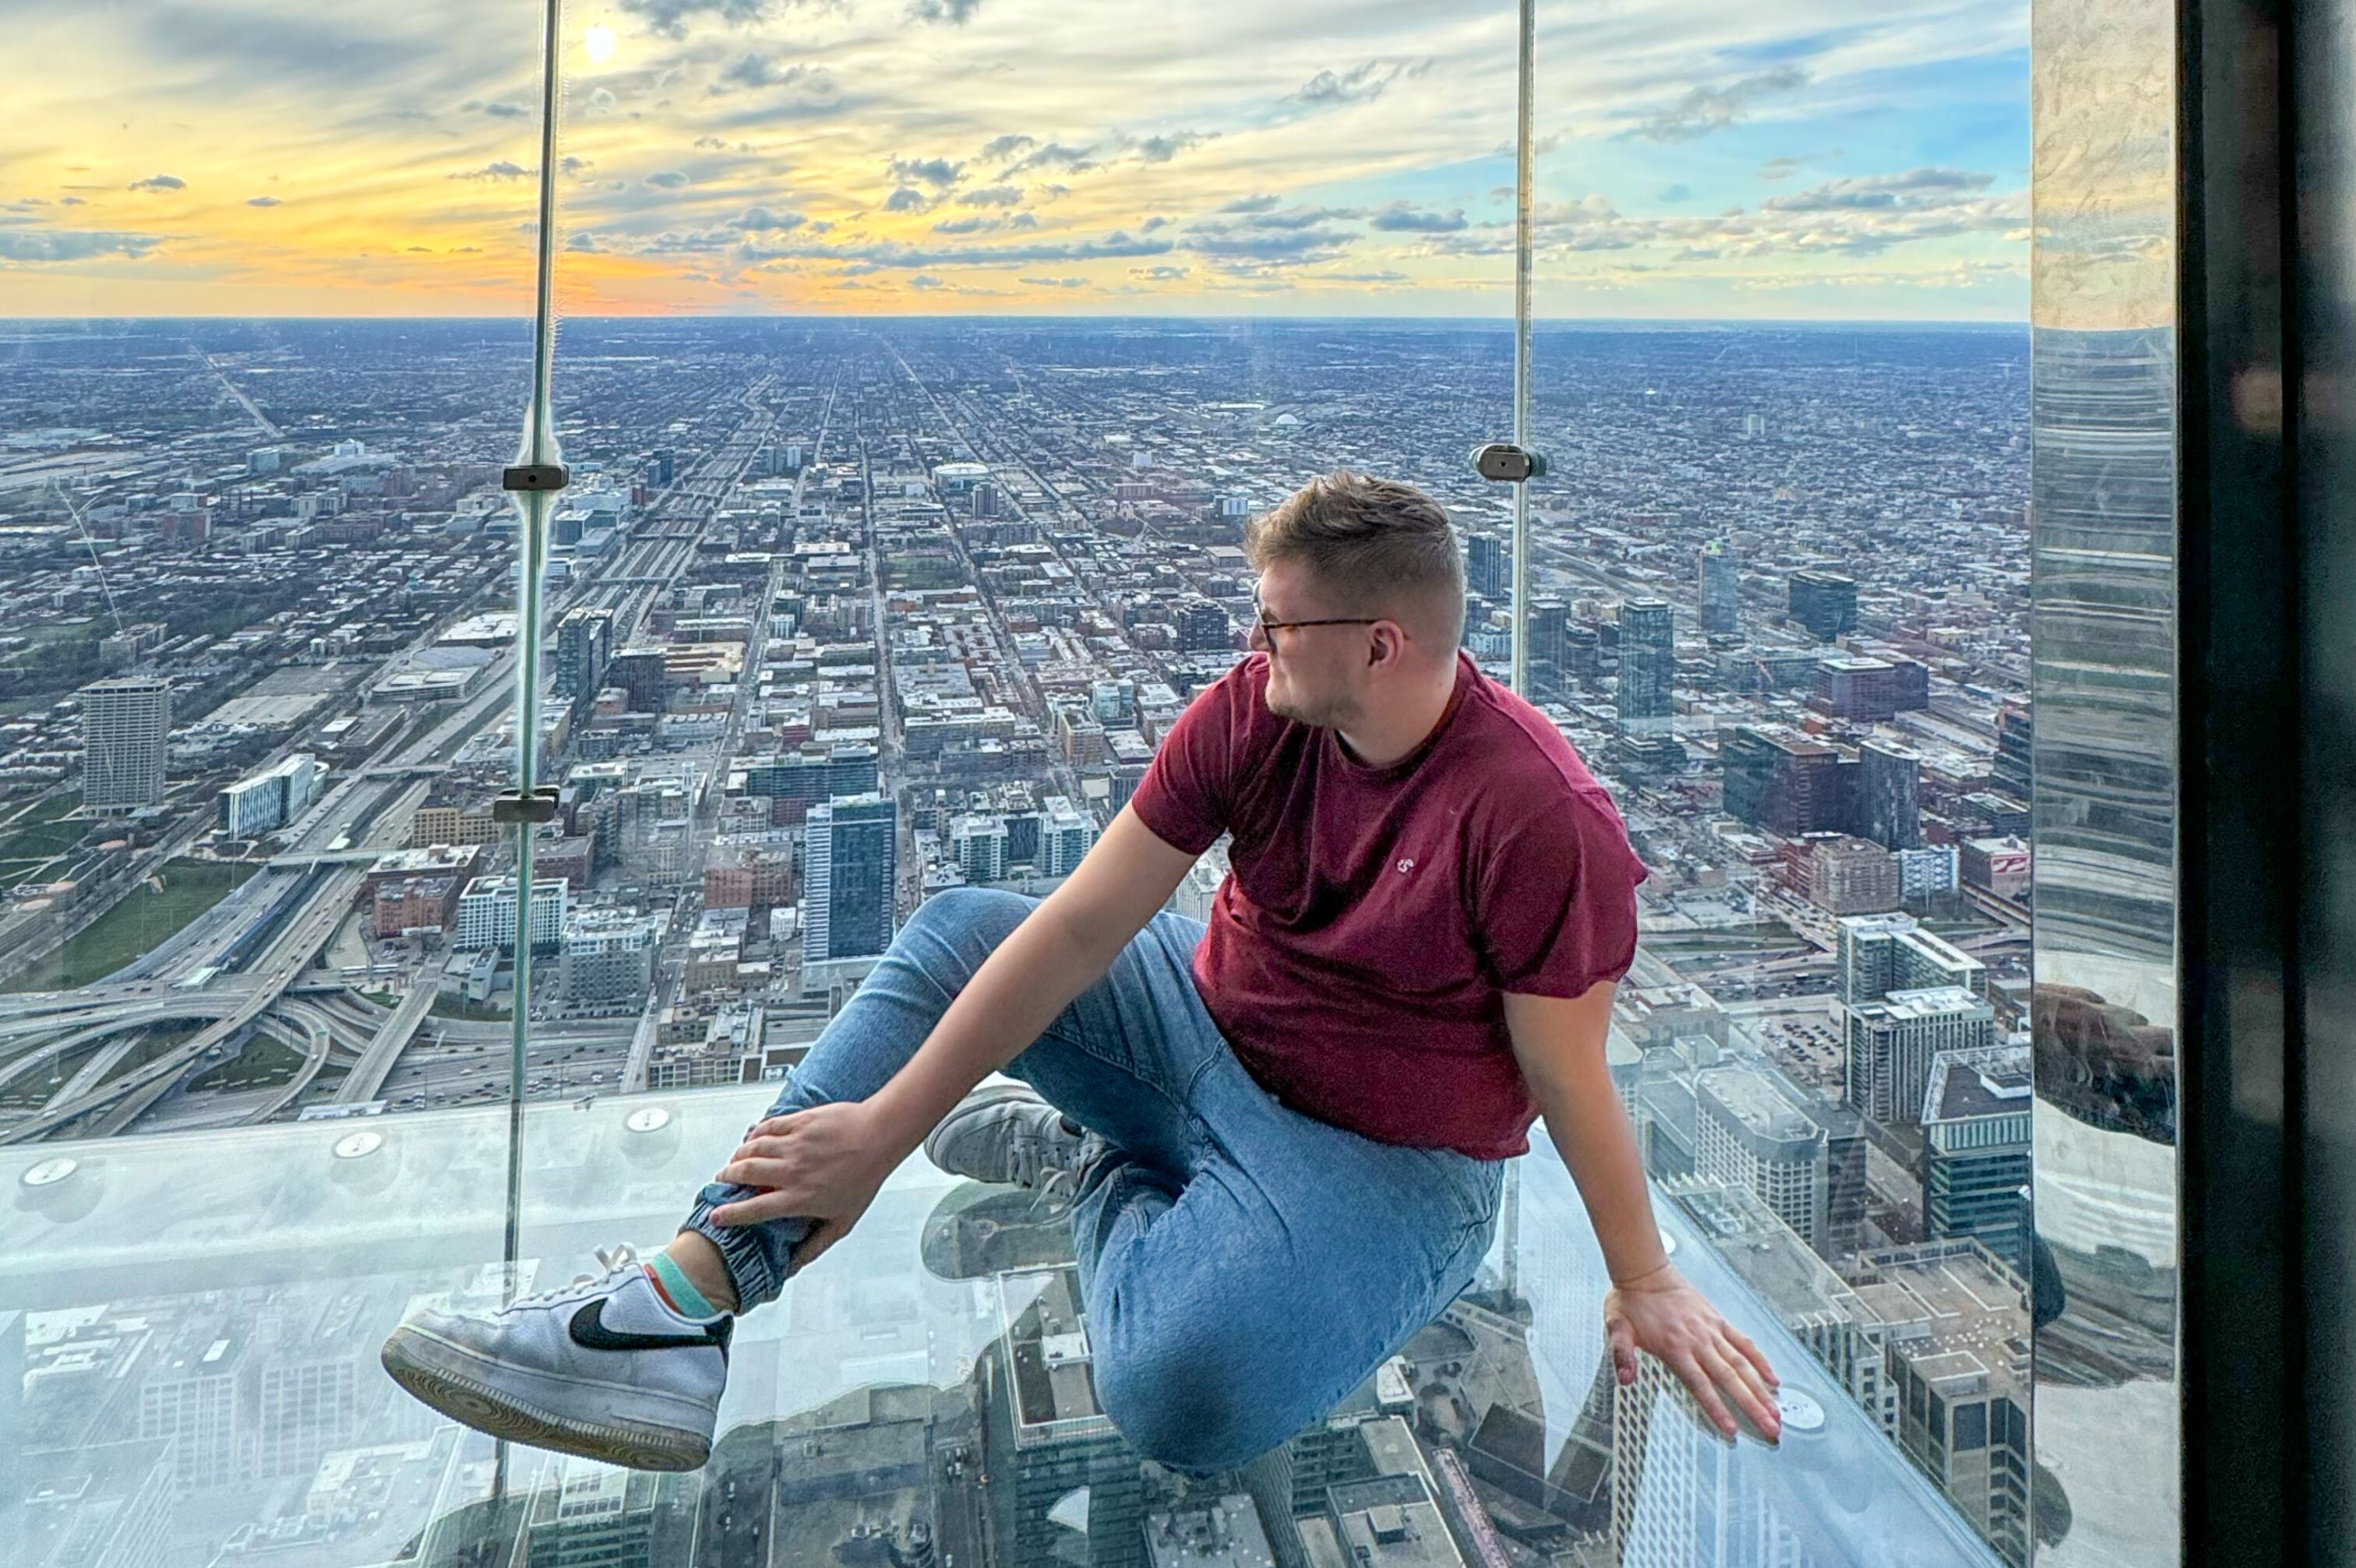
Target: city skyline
883, 158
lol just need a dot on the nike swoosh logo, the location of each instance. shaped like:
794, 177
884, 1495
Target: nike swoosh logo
589, 1331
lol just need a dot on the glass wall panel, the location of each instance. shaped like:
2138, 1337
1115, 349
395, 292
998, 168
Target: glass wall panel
1777, 595
2105, 1013
264, 269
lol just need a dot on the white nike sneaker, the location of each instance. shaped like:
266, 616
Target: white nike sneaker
602, 1367
1007, 1134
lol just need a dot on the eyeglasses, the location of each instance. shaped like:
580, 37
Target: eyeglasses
1267, 626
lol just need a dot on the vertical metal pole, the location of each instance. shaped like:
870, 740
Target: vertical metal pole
540, 447
1524, 153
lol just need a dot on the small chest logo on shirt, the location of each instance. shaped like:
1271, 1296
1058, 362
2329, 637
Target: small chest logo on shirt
1407, 865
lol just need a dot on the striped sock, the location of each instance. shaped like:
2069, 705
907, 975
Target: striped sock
678, 1292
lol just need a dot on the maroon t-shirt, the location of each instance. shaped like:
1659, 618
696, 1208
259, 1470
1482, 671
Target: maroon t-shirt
1372, 919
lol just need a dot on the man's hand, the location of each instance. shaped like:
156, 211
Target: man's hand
1660, 1314
824, 1164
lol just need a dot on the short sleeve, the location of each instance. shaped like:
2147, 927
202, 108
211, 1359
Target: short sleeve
1184, 795
1557, 894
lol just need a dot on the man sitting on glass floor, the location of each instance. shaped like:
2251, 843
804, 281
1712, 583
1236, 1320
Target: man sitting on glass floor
1281, 1136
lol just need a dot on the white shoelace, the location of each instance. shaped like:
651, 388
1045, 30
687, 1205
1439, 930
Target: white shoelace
610, 1260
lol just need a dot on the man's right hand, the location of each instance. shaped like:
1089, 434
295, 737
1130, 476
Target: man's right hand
824, 1164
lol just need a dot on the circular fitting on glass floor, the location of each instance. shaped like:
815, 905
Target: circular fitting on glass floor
648, 1119
359, 1146
1799, 1411
49, 1172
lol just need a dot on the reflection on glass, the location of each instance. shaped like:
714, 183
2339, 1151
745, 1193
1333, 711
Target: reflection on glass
922, 1397
2105, 1002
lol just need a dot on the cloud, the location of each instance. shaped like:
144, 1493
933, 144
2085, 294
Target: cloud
1053, 156
579, 169
1366, 277
938, 172
977, 224
1006, 146
1398, 217
1152, 223
1289, 239
667, 179
765, 220
907, 198
1162, 274
1359, 84
892, 253
262, 201
502, 170
991, 196
1705, 108
669, 18
710, 144
1778, 169
32, 247
956, 13
500, 110
583, 240
1914, 189
159, 182
751, 72
1254, 203
1056, 282
1161, 149
921, 280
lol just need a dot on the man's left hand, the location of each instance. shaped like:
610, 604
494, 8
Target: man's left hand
1668, 1318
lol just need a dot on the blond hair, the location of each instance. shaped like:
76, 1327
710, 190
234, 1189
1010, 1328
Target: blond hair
1373, 547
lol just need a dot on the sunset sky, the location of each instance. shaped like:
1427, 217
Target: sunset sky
1699, 158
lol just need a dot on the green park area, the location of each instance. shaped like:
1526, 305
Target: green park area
33, 836
146, 916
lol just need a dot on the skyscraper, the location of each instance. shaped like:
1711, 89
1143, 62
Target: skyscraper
1488, 563
1545, 627
1890, 795
852, 854
1647, 664
127, 725
1975, 1157
1721, 586
1825, 602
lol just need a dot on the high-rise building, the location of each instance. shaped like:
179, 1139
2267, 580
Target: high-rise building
272, 798
594, 1517
797, 779
2015, 755
1890, 795
1647, 664
1825, 602
1750, 1136
1852, 876
851, 853
584, 641
1889, 1044
639, 671
1488, 565
1065, 835
1545, 627
979, 842
1783, 780
193, 1402
1582, 653
1976, 1154
1721, 579
487, 914
1203, 627
1064, 1486
127, 725
1876, 954
608, 958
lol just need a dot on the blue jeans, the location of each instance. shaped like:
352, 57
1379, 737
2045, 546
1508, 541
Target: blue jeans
1243, 1266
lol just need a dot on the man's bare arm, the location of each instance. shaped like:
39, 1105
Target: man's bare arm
1561, 1045
1063, 947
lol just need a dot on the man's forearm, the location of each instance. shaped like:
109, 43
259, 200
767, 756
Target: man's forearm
1590, 1129
1025, 982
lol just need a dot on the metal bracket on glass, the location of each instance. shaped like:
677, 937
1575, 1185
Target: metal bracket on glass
1507, 463
535, 476
514, 805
